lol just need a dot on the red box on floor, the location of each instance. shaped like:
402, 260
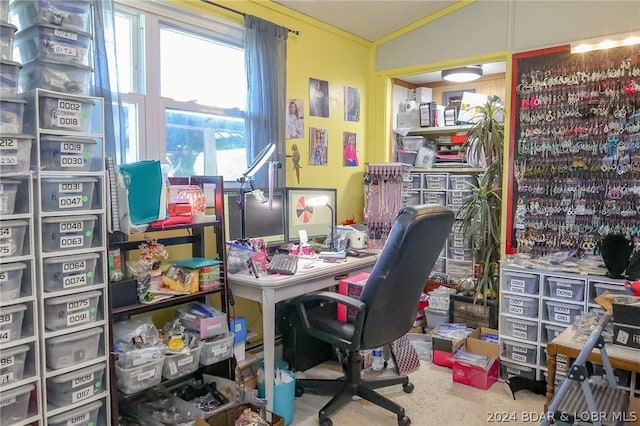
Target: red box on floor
351, 286
473, 375
443, 358
443, 349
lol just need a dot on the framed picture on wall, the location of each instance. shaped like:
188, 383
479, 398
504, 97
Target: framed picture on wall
316, 220
454, 98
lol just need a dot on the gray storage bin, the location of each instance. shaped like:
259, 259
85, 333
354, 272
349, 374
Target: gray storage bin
67, 194
407, 157
553, 331
132, 380
71, 311
68, 154
11, 318
15, 155
510, 369
8, 188
87, 415
521, 352
7, 40
70, 388
439, 198
413, 143
12, 363
11, 280
56, 76
562, 312
65, 272
462, 182
459, 240
11, 119
516, 282
9, 70
178, 365
66, 112
519, 328
458, 198
69, 349
12, 236
435, 317
435, 181
521, 306
216, 349
565, 288
64, 13
611, 288
44, 41
464, 254
67, 232
15, 404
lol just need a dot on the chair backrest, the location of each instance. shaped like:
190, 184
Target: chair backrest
393, 290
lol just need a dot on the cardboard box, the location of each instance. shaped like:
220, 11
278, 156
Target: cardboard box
633, 413
408, 119
627, 313
351, 286
424, 94
626, 335
473, 375
443, 349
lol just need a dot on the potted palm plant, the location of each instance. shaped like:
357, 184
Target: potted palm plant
479, 215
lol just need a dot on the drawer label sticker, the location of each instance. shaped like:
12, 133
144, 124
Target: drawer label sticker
146, 375
519, 326
8, 160
519, 334
7, 249
516, 290
70, 187
516, 310
66, 34
517, 283
6, 402
561, 310
78, 318
64, 50
6, 319
7, 362
71, 201
72, 241
8, 143
520, 349
5, 232
74, 280
560, 292
78, 305
79, 381
6, 378
72, 147
79, 420
79, 265
72, 226
71, 161
81, 394
4, 277
220, 351
562, 318
516, 302
185, 361
519, 357
5, 336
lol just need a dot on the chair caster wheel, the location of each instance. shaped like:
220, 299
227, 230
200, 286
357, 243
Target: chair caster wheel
405, 421
408, 387
326, 422
299, 391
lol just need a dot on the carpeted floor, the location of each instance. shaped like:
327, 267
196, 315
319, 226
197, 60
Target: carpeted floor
436, 400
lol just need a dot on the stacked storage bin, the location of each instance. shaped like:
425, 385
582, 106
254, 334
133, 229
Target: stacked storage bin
20, 385
53, 44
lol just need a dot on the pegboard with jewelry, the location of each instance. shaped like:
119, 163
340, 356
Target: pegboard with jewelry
575, 150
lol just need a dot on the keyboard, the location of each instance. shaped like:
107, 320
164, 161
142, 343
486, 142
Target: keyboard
283, 264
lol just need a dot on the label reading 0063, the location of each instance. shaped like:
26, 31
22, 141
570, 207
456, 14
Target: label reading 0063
71, 241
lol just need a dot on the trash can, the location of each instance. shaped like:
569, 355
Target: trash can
284, 393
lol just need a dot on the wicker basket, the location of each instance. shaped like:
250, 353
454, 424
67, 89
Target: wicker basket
229, 416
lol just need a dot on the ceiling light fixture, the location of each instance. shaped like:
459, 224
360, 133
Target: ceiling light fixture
607, 42
462, 74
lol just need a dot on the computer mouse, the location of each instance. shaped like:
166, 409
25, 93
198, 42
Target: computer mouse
353, 253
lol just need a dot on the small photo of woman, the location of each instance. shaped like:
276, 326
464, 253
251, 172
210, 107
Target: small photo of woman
351, 104
350, 151
318, 97
318, 146
295, 119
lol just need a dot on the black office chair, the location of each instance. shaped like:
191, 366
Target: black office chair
386, 309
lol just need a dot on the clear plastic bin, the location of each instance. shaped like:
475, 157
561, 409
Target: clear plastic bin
463, 254
12, 363
462, 182
44, 41
11, 280
67, 154
519, 328
87, 415
179, 365
611, 288
70, 311
11, 119
411, 199
521, 306
66, 113
440, 265
459, 240
56, 76
65, 272
15, 404
435, 317
553, 331
565, 288
521, 283
458, 198
15, 153
132, 380
521, 352
435, 181
11, 318
139, 357
413, 143
216, 349
12, 236
9, 71
69, 349
72, 14
434, 198
407, 157
67, 194
67, 389
510, 369
562, 312
7, 39
8, 192
67, 232
422, 344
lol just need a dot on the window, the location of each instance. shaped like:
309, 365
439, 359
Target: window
183, 89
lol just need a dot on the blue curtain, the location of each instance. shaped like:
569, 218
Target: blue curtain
265, 61
104, 64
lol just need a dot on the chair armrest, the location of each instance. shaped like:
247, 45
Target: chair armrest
329, 296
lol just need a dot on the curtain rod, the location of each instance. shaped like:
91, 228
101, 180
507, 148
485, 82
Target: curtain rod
221, 6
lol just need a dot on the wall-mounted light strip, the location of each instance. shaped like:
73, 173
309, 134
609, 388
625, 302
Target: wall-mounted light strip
607, 42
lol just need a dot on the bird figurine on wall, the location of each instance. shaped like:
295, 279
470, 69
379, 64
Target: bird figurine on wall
295, 158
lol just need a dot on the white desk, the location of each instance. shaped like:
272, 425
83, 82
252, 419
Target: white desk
271, 289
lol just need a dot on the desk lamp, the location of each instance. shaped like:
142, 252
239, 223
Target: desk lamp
324, 201
253, 168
